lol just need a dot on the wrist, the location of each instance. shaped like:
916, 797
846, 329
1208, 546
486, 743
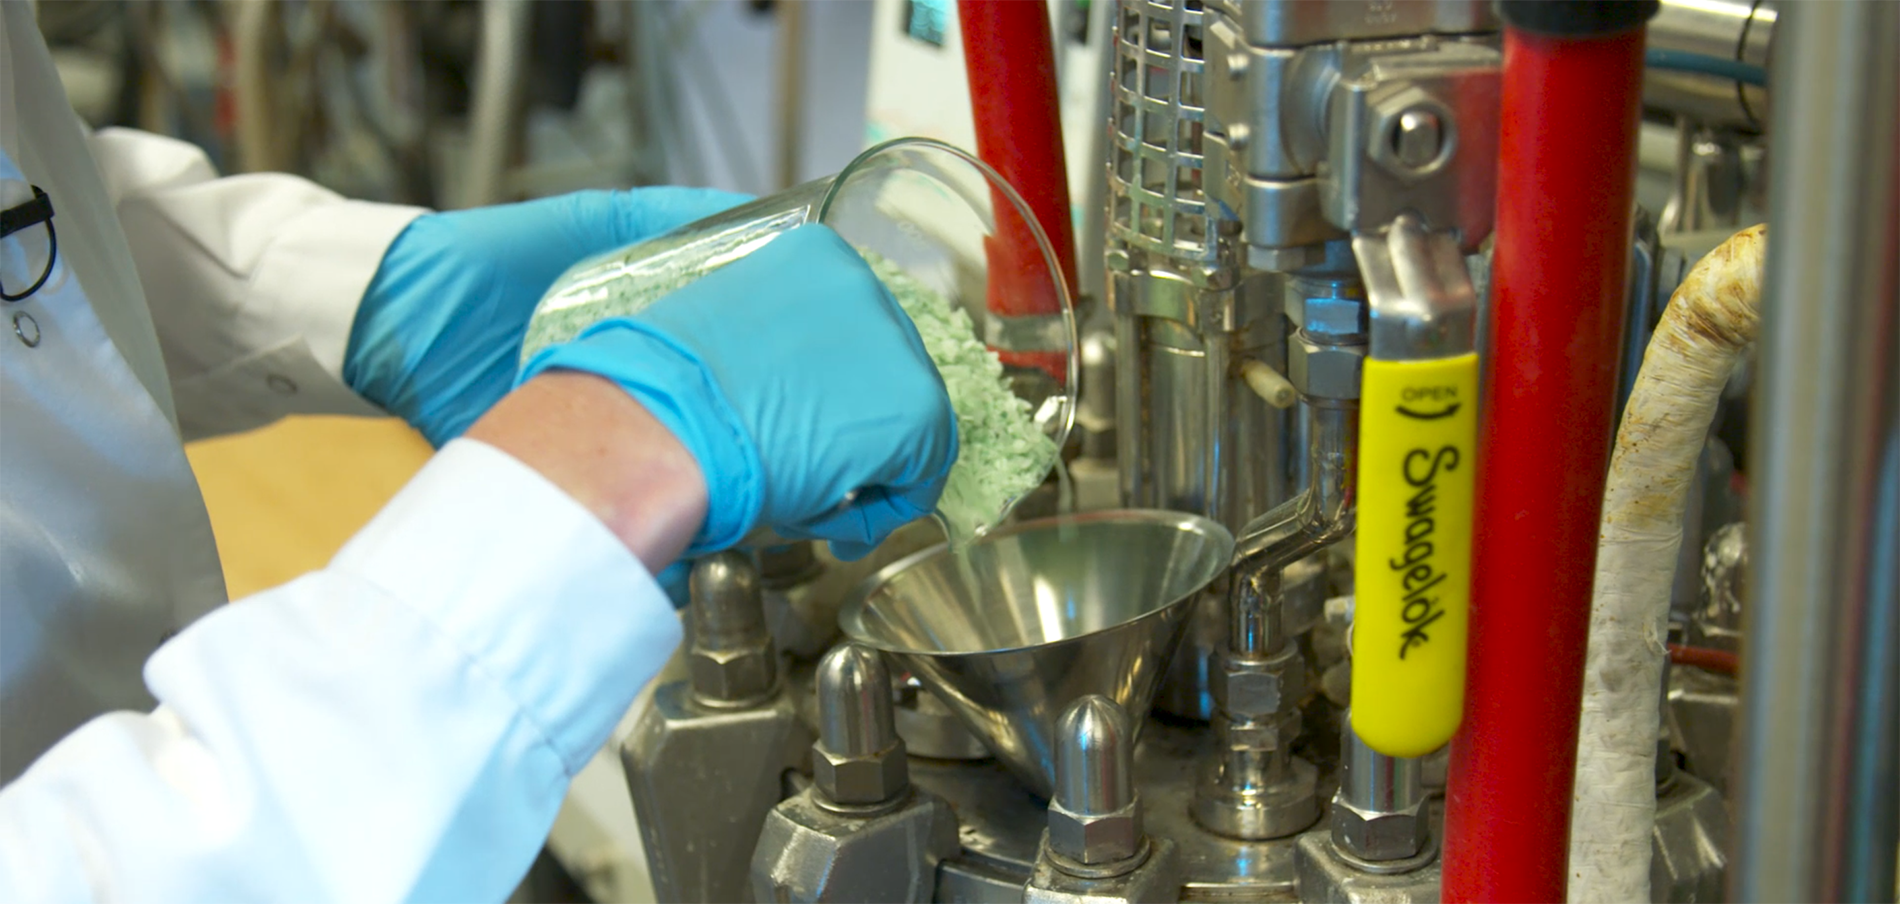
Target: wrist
676, 388
604, 449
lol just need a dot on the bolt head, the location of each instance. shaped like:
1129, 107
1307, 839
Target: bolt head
733, 676
1417, 136
1411, 133
861, 780
1094, 840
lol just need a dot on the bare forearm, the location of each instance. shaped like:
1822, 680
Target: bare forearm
588, 437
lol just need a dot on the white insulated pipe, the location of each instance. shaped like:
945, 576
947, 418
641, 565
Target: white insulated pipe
1712, 319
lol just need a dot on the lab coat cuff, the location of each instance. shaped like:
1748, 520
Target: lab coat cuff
529, 584
322, 261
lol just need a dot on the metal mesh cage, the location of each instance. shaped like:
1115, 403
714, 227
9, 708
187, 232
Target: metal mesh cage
1156, 199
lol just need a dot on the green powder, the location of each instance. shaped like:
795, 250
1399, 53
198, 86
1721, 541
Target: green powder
1002, 454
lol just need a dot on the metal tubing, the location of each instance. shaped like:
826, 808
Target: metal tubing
1257, 789
254, 27
1738, 30
495, 110
1815, 806
1320, 515
791, 90
1010, 57
1569, 115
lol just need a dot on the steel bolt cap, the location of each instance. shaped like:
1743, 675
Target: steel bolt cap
858, 760
728, 609
854, 701
731, 662
1094, 755
1095, 817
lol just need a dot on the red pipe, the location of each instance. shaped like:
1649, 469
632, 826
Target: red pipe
1724, 662
1009, 54
1566, 178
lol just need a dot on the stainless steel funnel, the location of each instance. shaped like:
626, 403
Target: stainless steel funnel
1036, 615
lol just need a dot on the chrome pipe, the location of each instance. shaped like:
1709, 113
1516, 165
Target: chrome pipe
791, 90
495, 107
1739, 30
1815, 807
1318, 517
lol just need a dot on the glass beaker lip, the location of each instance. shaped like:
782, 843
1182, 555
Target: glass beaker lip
1008, 192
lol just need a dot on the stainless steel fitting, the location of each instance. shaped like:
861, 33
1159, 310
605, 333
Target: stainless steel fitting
1095, 818
1270, 735
1379, 814
718, 743
810, 852
1412, 134
1380, 836
1325, 307
732, 662
1247, 688
858, 761
1255, 788
1327, 352
1324, 370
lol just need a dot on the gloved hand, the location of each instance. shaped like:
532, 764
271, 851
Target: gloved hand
437, 338
798, 384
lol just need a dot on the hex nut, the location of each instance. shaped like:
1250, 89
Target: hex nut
1380, 836
861, 780
1249, 689
1095, 840
733, 676
1325, 315
1324, 371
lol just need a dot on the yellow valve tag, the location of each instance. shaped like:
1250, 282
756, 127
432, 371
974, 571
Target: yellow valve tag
1412, 582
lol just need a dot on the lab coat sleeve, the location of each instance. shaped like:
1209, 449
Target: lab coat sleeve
400, 725
253, 280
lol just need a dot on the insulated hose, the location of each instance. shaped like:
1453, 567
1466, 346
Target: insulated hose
1711, 320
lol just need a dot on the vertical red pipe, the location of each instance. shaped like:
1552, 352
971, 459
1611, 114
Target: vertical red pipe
1010, 57
1566, 179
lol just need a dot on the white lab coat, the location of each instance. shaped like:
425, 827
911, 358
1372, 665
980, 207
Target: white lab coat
399, 725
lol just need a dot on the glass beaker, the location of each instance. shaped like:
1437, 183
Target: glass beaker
935, 212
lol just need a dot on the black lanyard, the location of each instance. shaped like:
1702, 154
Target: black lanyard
31, 213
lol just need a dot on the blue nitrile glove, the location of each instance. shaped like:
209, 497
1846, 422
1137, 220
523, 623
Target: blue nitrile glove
676, 581
798, 384
438, 336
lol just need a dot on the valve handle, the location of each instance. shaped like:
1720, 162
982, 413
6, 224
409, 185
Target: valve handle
1418, 433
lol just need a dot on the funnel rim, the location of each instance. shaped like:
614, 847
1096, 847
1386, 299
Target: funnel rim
850, 618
